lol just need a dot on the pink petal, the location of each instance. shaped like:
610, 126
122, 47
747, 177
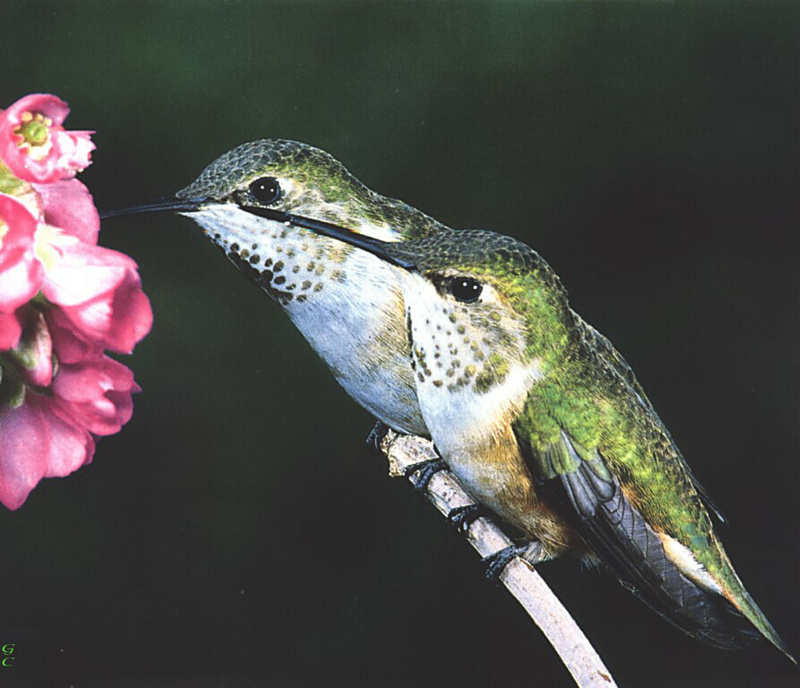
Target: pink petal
132, 317
101, 297
67, 204
90, 380
45, 103
24, 448
85, 272
117, 323
20, 271
68, 344
10, 331
75, 149
19, 281
71, 446
96, 394
20, 225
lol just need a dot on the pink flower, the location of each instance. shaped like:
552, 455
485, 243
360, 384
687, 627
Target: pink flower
35, 146
52, 435
63, 302
20, 271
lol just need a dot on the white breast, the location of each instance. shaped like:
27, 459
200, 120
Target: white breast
346, 303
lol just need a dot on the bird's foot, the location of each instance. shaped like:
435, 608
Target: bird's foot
497, 562
425, 470
462, 517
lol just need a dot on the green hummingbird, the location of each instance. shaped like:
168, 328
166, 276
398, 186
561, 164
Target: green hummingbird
467, 337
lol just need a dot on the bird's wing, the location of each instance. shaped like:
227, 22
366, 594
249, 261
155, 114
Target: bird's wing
580, 485
600, 344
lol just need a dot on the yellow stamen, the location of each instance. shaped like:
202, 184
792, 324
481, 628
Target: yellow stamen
35, 134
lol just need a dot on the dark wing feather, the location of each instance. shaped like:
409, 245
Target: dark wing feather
591, 498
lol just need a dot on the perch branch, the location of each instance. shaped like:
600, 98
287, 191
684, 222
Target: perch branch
519, 577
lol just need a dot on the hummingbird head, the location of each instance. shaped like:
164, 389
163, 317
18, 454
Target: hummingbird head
483, 302
294, 177
485, 318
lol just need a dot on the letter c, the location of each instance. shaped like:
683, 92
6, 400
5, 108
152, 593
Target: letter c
7, 661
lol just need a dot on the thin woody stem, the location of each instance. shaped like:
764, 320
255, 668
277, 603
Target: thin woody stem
519, 577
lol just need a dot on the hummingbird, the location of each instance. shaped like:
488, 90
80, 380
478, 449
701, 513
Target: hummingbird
467, 337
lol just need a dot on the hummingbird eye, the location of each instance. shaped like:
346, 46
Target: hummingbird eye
465, 289
266, 190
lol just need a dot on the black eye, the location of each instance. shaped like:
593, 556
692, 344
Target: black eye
266, 190
465, 289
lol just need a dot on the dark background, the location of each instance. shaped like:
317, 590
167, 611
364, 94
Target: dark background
238, 532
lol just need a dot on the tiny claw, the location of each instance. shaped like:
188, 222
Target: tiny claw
462, 517
376, 435
425, 471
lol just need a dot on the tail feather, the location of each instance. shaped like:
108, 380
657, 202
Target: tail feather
746, 605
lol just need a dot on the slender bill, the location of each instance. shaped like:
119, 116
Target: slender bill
169, 203
328, 229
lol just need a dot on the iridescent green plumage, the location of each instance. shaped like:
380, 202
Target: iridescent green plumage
585, 411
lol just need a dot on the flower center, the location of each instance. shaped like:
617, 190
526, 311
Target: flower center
34, 133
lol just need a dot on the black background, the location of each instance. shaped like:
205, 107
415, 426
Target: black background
238, 532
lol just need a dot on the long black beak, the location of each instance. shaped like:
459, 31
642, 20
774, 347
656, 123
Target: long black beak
381, 249
172, 203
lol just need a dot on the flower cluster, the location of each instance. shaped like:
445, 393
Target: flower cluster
64, 300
